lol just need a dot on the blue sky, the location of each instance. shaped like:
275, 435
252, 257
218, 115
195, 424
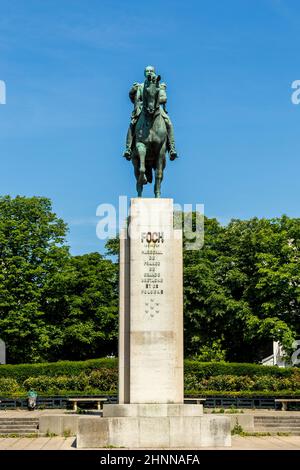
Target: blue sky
229, 66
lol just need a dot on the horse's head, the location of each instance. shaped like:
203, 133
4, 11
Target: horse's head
151, 94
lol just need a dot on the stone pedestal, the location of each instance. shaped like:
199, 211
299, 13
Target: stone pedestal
151, 412
151, 319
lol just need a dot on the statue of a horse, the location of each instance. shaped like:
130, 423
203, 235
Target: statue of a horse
150, 140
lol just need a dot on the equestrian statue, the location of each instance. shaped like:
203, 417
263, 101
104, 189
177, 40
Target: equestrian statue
150, 134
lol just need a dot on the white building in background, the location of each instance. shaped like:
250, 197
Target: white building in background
277, 358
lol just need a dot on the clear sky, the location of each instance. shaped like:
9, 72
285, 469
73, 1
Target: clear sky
228, 65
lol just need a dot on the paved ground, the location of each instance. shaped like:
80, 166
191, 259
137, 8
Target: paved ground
238, 443
38, 443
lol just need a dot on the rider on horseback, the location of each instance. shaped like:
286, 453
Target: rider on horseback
136, 97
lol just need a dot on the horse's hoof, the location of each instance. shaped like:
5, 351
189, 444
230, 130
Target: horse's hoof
157, 195
142, 178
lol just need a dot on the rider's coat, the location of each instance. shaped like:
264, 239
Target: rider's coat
136, 97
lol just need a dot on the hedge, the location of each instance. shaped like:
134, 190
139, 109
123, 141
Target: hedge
21, 372
188, 394
61, 394
102, 380
243, 393
100, 376
207, 369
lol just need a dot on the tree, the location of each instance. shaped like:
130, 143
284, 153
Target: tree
83, 298
52, 305
266, 254
32, 250
242, 288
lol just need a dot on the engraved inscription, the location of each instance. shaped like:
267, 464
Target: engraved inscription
152, 282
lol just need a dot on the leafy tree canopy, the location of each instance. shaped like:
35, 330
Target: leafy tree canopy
52, 305
242, 289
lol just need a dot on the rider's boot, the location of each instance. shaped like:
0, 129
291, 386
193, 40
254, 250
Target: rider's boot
129, 138
173, 153
127, 153
171, 149
171, 141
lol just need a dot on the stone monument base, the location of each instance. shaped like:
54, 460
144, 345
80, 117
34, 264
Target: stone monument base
149, 410
154, 426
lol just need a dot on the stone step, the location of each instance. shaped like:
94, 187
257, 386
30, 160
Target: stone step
22, 426
23, 434
258, 418
14, 418
17, 421
277, 426
19, 425
293, 431
4, 418
11, 426
296, 418
19, 431
276, 422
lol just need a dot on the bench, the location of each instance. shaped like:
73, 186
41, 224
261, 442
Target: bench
98, 401
196, 400
284, 402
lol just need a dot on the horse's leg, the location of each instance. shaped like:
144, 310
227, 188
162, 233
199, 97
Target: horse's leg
159, 172
141, 152
139, 187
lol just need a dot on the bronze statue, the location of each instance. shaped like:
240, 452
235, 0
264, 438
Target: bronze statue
150, 133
